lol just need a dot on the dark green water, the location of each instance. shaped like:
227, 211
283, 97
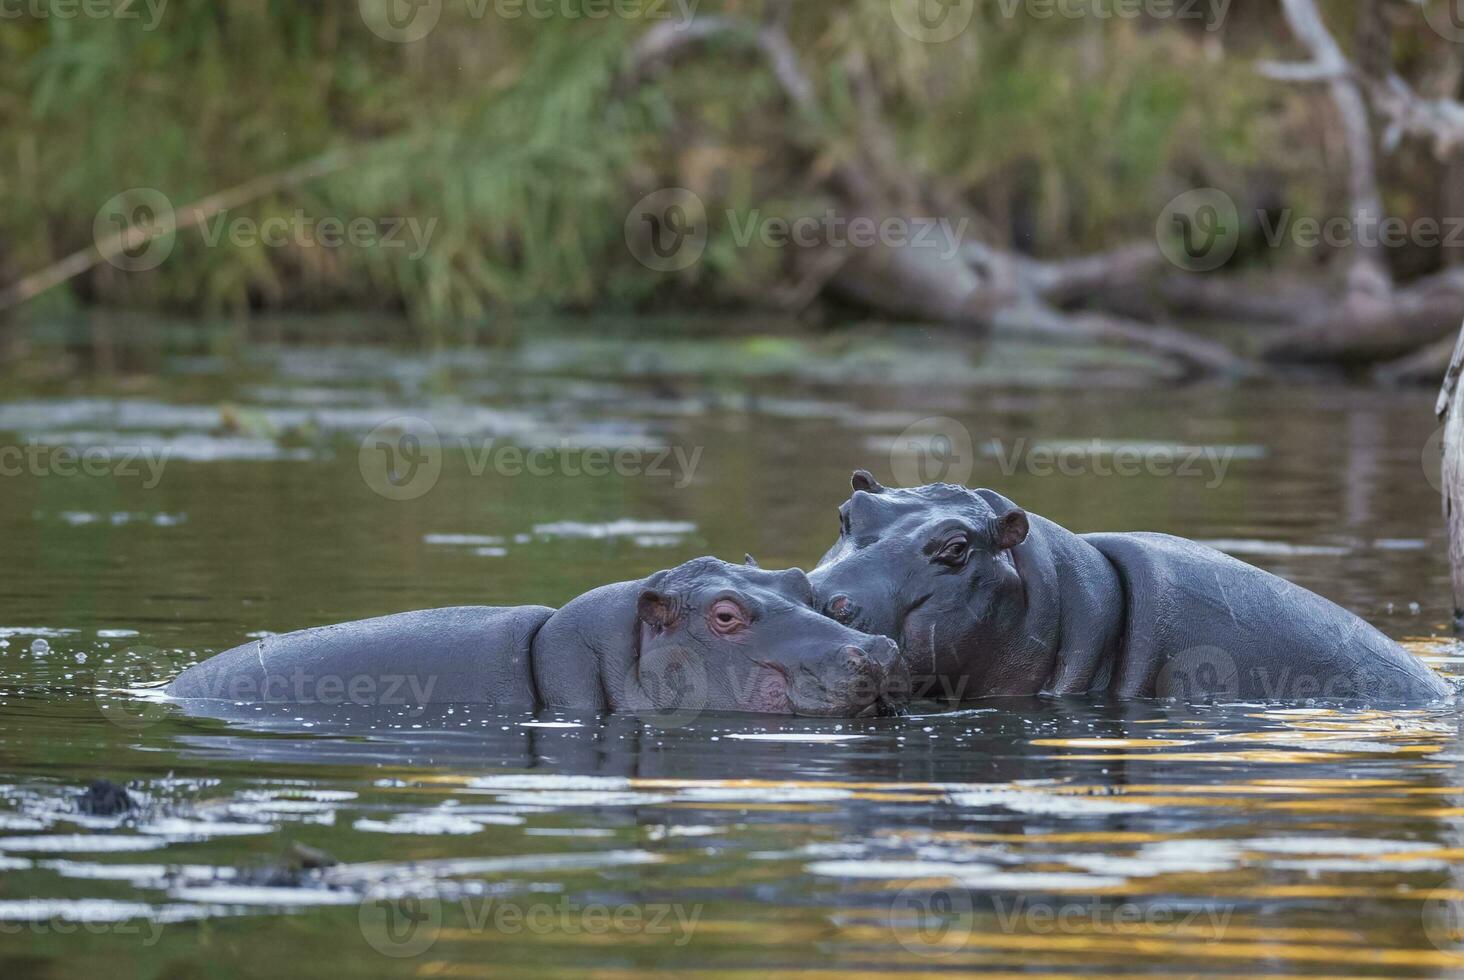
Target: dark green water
1038, 838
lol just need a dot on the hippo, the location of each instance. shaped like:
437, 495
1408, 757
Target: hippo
988, 600
706, 635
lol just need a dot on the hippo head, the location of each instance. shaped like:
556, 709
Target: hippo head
726, 637
932, 568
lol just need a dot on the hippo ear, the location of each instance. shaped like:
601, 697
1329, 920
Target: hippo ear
864, 480
750, 561
658, 609
1010, 529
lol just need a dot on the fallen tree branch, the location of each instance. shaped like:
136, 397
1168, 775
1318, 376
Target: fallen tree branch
189, 216
964, 283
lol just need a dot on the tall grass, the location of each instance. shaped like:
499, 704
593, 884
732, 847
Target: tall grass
512, 136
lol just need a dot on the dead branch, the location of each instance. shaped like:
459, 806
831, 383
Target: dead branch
1367, 272
975, 285
190, 216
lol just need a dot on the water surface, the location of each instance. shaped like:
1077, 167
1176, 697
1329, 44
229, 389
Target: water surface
1040, 838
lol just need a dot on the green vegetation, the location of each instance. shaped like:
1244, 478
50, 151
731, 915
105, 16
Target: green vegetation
515, 136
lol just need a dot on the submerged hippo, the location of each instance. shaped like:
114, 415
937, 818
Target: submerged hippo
985, 599
703, 636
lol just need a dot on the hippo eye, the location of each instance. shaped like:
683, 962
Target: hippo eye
727, 617
954, 552
843, 522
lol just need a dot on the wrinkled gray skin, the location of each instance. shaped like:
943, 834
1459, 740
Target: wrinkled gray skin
985, 599
703, 636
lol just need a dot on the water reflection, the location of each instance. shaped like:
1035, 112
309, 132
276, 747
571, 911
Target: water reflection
1033, 837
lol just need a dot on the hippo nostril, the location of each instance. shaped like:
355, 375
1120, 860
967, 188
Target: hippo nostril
884, 651
841, 608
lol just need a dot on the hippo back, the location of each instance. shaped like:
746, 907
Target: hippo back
463, 654
1200, 622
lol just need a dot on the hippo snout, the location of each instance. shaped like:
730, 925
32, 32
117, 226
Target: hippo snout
865, 678
879, 653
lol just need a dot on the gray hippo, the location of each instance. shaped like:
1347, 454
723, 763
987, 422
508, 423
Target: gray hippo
705, 635
985, 599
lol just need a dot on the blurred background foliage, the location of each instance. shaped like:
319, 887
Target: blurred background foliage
518, 136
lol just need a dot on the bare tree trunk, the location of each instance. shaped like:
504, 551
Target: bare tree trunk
960, 282
1450, 408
